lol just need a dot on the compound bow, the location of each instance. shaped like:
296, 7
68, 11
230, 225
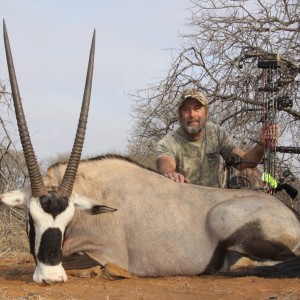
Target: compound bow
276, 73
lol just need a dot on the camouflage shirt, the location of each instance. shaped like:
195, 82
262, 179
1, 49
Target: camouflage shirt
198, 160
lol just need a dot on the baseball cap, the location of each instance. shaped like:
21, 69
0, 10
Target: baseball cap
195, 94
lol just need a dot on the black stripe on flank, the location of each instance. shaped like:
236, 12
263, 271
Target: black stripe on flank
54, 204
50, 252
217, 259
31, 235
254, 244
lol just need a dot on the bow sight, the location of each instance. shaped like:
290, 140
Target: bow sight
286, 75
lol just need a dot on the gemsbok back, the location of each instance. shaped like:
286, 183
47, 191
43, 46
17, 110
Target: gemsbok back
150, 226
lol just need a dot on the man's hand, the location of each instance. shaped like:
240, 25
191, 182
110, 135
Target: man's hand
269, 136
166, 165
177, 177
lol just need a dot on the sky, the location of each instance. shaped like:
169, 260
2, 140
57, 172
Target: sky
50, 42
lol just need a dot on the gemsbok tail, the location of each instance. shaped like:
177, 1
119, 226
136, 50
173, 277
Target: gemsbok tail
286, 269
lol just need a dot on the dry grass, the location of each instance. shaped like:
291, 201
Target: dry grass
13, 237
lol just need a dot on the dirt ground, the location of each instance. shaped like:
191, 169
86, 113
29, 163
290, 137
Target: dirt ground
16, 283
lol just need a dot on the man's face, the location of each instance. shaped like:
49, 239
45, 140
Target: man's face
193, 117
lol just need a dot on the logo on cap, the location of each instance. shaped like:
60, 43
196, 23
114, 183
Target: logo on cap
195, 94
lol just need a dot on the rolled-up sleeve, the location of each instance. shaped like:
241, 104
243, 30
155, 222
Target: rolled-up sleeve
165, 147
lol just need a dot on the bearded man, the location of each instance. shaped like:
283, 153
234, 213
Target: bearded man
192, 153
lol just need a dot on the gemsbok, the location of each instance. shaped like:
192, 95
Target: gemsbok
150, 226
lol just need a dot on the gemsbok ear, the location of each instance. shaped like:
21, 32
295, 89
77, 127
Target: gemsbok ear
89, 205
101, 209
15, 198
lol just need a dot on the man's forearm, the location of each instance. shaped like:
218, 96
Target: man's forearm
253, 157
164, 166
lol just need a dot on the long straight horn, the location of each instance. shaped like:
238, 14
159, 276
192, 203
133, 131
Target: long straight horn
37, 184
66, 186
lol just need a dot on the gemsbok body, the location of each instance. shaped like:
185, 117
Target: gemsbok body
118, 212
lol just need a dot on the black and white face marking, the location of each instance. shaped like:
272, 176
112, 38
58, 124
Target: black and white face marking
49, 215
